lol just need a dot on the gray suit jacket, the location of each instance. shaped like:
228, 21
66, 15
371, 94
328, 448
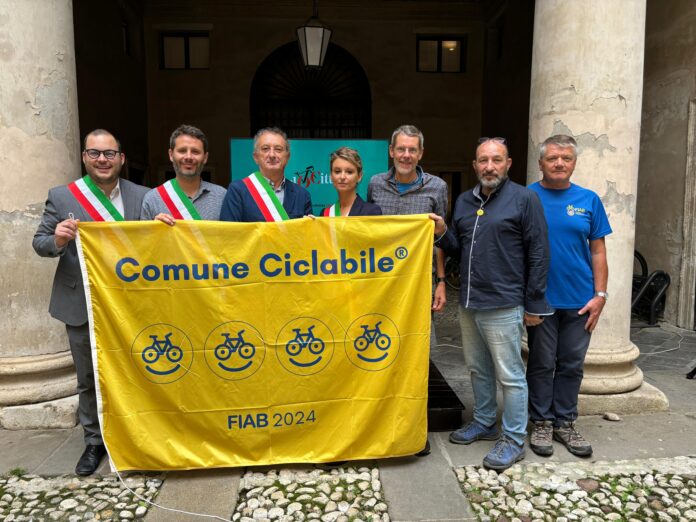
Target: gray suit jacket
68, 294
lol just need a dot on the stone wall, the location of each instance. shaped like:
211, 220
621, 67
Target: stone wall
669, 85
381, 36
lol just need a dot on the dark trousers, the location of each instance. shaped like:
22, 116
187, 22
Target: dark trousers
557, 349
78, 336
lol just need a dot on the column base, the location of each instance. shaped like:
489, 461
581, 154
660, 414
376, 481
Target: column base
646, 398
36, 378
59, 413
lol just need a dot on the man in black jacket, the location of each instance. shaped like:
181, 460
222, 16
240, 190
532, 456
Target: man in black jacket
499, 231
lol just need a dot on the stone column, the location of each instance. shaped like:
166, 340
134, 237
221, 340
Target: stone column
39, 148
587, 82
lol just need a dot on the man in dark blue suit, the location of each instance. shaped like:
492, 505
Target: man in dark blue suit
266, 195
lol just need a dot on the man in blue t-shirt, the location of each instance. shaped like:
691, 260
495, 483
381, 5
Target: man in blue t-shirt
577, 290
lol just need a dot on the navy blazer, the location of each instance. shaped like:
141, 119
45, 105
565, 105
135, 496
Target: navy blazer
363, 208
239, 206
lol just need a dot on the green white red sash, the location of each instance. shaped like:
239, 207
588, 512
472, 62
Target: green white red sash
332, 211
265, 197
94, 201
177, 201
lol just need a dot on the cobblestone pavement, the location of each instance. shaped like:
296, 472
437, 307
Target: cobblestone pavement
337, 495
635, 490
70, 498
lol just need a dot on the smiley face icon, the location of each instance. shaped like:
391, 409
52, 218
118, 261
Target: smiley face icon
372, 342
234, 350
162, 352
305, 346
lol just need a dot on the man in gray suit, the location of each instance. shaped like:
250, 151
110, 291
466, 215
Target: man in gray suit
99, 196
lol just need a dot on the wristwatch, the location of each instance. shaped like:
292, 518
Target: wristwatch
439, 280
602, 294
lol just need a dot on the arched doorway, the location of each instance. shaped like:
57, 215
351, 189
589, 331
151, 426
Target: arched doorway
331, 102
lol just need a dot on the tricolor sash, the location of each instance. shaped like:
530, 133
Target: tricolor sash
332, 211
176, 200
265, 198
94, 201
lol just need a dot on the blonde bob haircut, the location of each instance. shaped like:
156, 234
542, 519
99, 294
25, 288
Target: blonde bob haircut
348, 154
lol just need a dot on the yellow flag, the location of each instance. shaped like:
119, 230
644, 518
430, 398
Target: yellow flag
234, 344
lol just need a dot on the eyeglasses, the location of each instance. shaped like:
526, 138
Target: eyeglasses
497, 139
95, 153
403, 150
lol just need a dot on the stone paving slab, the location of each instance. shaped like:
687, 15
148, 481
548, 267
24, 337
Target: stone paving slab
211, 492
28, 450
635, 436
424, 488
63, 459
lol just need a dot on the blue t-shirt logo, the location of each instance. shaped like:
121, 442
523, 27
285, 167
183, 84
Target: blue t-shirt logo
571, 210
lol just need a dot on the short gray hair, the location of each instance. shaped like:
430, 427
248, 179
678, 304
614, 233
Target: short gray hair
559, 140
272, 130
408, 130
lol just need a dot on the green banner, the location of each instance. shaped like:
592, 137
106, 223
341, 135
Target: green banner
309, 164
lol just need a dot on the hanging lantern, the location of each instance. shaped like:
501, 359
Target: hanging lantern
314, 38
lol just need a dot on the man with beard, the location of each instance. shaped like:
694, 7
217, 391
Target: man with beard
99, 196
186, 196
499, 231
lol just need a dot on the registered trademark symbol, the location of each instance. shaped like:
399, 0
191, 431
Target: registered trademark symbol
401, 252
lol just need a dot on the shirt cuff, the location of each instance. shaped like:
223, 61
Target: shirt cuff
438, 238
538, 307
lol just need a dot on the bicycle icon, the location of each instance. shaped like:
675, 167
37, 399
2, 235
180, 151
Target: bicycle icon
233, 345
372, 336
238, 345
162, 348
301, 341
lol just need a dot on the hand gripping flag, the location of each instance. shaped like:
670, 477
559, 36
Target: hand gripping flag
234, 344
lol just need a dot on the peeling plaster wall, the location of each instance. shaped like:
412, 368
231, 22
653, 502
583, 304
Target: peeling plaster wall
669, 84
596, 97
39, 148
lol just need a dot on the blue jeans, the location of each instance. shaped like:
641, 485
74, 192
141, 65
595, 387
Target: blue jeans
492, 341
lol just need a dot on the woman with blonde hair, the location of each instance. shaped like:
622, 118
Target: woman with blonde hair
346, 172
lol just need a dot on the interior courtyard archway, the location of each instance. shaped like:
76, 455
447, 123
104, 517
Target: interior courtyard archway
331, 102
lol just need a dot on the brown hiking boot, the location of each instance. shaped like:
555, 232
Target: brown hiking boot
541, 437
571, 439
